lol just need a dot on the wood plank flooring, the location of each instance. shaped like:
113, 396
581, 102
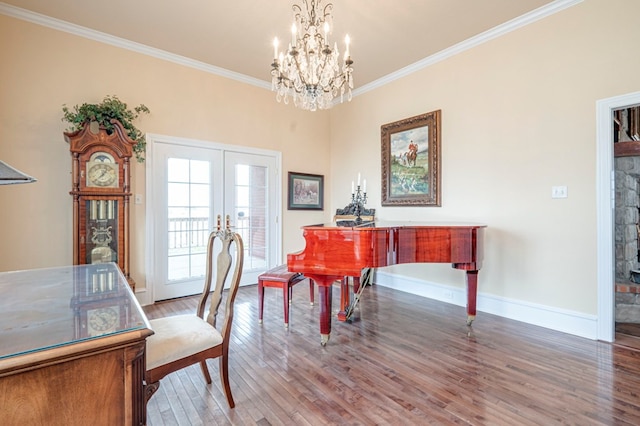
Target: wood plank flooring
405, 360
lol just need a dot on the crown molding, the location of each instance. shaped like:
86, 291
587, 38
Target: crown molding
495, 32
500, 30
60, 25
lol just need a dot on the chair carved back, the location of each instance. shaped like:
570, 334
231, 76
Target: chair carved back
224, 262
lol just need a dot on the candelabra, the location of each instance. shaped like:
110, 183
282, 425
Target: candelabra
358, 200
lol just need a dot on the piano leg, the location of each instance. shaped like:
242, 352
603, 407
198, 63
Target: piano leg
345, 299
472, 292
325, 312
325, 285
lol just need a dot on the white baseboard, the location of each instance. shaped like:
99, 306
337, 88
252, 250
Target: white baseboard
143, 297
575, 323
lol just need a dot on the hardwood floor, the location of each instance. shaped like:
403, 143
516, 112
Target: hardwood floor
404, 360
631, 329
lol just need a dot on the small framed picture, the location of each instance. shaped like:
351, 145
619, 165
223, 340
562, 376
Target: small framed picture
411, 161
306, 191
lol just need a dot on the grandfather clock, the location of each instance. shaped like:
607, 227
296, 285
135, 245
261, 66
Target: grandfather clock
101, 188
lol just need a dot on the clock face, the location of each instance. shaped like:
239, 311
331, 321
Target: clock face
102, 171
102, 174
102, 320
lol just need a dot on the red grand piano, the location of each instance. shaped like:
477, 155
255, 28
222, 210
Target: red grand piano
334, 251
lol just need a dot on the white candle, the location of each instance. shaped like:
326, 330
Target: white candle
358, 179
326, 33
293, 34
275, 48
347, 40
352, 188
364, 186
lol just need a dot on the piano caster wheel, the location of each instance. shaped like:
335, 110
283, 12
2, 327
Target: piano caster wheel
470, 319
324, 338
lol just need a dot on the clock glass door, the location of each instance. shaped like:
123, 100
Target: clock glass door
101, 243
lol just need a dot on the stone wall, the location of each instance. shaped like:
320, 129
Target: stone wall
627, 177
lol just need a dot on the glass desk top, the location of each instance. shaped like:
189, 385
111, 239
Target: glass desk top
50, 307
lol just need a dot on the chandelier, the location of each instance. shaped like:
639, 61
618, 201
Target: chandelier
310, 69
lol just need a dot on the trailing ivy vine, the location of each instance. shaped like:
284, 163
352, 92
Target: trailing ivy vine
111, 107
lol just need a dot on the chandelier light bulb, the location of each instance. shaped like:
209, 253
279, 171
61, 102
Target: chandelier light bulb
310, 71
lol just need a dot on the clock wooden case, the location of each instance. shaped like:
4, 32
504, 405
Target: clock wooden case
101, 191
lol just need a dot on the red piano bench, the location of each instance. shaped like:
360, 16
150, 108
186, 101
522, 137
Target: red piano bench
280, 277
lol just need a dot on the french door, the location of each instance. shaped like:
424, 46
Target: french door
194, 182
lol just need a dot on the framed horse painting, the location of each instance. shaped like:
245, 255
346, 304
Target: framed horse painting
306, 191
411, 161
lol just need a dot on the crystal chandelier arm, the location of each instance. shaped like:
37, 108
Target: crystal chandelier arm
326, 12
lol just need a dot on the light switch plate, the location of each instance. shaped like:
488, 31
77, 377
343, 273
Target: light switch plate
559, 192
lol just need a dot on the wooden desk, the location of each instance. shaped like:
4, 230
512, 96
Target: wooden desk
72, 347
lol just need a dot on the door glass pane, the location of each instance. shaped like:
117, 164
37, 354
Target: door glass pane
251, 197
178, 170
188, 217
199, 195
200, 172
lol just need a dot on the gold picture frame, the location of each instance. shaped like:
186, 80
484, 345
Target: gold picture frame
411, 161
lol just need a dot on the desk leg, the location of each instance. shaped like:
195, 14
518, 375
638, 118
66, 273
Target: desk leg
472, 293
325, 313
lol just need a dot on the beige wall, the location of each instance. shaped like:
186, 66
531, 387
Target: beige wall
42, 69
518, 117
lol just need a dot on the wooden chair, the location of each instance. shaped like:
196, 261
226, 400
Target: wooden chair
182, 340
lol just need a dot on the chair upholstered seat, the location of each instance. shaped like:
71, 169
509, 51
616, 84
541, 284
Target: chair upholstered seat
177, 337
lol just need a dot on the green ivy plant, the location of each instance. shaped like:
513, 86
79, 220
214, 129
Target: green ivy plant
111, 107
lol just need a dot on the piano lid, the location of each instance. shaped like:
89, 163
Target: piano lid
395, 224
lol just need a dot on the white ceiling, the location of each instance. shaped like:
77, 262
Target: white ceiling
237, 35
